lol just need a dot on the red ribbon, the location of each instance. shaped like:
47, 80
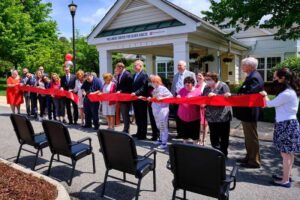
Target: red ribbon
251, 100
51, 91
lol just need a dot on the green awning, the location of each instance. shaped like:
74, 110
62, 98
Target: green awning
140, 28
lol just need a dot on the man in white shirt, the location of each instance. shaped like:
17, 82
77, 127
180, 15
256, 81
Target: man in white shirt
177, 85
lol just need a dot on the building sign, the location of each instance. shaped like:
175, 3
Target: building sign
136, 35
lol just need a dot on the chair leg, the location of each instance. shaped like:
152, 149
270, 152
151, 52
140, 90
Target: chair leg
72, 173
42, 152
138, 189
184, 194
154, 180
124, 177
104, 183
49, 168
93, 159
36, 157
19, 152
58, 157
174, 194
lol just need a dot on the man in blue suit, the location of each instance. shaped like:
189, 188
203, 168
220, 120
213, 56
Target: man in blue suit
139, 88
249, 116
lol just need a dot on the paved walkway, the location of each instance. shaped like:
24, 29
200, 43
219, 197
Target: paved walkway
252, 183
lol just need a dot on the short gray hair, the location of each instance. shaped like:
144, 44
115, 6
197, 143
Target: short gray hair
251, 61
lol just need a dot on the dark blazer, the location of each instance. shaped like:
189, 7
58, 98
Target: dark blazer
253, 84
125, 84
70, 85
140, 85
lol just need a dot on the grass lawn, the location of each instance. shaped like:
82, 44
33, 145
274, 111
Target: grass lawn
2, 87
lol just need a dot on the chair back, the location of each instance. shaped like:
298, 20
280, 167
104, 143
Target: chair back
58, 137
118, 150
197, 169
23, 129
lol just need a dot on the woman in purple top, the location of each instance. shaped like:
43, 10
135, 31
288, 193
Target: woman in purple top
189, 115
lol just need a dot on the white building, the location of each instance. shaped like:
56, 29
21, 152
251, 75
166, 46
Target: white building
165, 33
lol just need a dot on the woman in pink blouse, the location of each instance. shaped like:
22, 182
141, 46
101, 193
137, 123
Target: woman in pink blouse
189, 115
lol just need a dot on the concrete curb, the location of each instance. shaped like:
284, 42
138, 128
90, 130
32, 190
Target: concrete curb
62, 193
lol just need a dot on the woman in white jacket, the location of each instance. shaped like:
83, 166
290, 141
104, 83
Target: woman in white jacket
160, 110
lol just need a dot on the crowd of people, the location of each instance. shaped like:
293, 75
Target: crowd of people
192, 121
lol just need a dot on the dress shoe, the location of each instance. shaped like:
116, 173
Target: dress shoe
75, 123
154, 138
242, 160
70, 123
64, 121
248, 165
135, 135
87, 126
125, 131
286, 185
142, 138
277, 178
96, 128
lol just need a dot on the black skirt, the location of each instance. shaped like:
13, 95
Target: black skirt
189, 129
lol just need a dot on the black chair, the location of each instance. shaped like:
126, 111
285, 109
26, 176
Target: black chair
119, 152
60, 143
201, 170
25, 134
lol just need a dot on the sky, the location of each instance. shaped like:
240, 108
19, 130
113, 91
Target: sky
90, 12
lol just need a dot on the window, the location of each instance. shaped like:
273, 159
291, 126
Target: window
265, 65
165, 70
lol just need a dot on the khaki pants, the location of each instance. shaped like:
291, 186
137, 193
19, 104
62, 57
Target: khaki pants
251, 142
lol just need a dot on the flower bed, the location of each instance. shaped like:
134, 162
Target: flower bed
15, 184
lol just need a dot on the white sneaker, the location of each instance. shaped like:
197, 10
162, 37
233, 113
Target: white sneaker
158, 142
162, 146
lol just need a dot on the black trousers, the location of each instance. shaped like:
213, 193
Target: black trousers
155, 131
219, 135
33, 104
140, 113
125, 107
68, 103
91, 111
42, 104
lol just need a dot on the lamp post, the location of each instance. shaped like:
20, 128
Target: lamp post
72, 8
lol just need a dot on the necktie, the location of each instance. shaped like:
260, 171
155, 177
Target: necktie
179, 84
136, 75
68, 78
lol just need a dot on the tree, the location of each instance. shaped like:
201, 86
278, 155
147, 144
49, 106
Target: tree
244, 14
28, 36
293, 63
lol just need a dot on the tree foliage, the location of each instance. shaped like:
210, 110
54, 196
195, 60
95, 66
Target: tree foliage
293, 63
243, 14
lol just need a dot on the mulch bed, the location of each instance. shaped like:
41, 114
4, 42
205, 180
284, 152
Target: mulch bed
15, 184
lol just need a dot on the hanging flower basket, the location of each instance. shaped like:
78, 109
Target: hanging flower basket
227, 60
194, 55
207, 58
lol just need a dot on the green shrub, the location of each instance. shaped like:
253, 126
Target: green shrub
293, 63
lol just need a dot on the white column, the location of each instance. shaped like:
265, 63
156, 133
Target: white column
181, 51
149, 64
105, 62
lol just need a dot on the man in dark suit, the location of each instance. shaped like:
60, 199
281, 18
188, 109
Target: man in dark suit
124, 85
139, 88
249, 116
92, 85
68, 84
